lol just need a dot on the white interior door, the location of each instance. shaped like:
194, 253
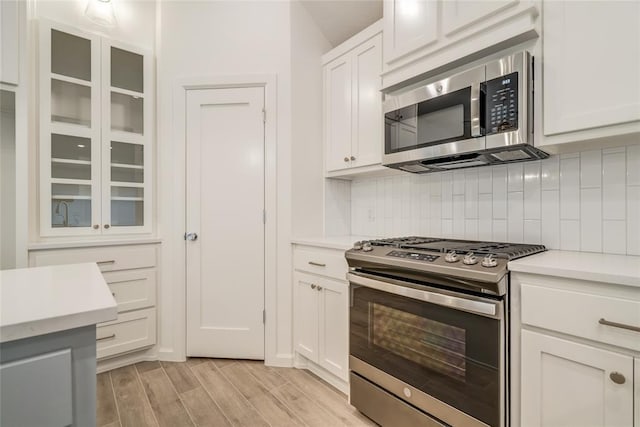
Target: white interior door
225, 204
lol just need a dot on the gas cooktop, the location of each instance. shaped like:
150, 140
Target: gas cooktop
411, 257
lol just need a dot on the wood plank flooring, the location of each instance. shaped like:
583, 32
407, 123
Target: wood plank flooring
220, 393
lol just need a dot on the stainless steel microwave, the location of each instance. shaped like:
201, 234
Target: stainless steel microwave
481, 116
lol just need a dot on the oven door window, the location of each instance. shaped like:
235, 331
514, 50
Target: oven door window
451, 355
435, 121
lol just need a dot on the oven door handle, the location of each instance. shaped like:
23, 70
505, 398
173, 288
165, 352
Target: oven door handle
473, 305
475, 110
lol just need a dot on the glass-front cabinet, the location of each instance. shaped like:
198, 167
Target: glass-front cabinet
95, 134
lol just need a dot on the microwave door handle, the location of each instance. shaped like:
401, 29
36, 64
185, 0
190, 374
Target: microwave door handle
475, 112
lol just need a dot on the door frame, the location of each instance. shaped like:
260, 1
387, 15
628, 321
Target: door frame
178, 140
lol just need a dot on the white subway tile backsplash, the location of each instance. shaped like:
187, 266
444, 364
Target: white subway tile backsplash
633, 165
532, 190
613, 185
514, 177
614, 237
591, 220
590, 169
587, 201
569, 235
633, 220
570, 187
515, 215
550, 173
500, 192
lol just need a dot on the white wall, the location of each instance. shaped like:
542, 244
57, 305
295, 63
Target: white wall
588, 201
307, 46
215, 39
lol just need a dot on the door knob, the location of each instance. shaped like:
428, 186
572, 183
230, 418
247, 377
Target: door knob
191, 236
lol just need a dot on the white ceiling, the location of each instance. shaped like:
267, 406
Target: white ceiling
340, 19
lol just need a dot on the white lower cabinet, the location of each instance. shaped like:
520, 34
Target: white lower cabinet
321, 322
130, 272
565, 383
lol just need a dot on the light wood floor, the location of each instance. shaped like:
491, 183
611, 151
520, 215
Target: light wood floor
219, 392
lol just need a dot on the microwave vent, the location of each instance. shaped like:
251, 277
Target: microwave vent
511, 156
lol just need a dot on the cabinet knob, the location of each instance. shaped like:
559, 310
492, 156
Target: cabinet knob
617, 377
319, 288
353, 158
346, 159
107, 226
96, 226
313, 286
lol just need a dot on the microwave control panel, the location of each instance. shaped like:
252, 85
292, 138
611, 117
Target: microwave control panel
501, 97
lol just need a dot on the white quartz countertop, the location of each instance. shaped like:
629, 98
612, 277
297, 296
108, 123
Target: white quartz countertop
42, 300
608, 268
332, 242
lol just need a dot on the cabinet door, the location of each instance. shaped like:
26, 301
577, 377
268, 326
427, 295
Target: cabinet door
338, 98
570, 384
408, 26
305, 302
126, 138
9, 42
366, 139
590, 80
459, 15
69, 103
334, 327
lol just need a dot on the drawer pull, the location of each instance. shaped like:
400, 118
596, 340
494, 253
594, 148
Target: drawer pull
604, 321
317, 264
617, 377
111, 261
108, 337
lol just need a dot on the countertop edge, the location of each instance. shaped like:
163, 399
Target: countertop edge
330, 242
40, 246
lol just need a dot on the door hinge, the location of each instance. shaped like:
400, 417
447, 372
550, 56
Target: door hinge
264, 115
264, 216
264, 317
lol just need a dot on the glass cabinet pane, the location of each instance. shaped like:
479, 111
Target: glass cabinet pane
70, 191
70, 171
70, 55
127, 213
127, 154
70, 147
127, 113
127, 71
70, 103
119, 174
70, 212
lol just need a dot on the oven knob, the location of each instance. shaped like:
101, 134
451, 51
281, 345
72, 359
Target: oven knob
489, 261
366, 246
357, 246
470, 259
451, 256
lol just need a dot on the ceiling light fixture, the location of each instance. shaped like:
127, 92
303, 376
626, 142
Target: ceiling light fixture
101, 12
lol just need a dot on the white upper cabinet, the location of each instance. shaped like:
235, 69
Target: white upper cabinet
591, 66
95, 127
9, 42
409, 25
423, 35
353, 103
458, 15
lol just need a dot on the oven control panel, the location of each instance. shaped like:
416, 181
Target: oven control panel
414, 256
502, 104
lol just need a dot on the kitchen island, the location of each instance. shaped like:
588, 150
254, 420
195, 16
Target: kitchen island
48, 343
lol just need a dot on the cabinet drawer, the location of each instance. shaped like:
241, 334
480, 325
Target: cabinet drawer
330, 263
110, 258
579, 314
131, 331
132, 289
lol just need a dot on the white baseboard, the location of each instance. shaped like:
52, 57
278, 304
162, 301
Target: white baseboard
280, 361
304, 363
111, 363
171, 356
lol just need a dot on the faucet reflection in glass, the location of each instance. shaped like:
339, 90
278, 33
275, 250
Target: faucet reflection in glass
65, 217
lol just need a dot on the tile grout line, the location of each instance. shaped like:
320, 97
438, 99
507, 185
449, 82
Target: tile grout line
135, 368
243, 396
209, 394
293, 411
115, 400
177, 394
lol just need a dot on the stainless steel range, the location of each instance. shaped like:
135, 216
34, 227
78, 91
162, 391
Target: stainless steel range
429, 332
